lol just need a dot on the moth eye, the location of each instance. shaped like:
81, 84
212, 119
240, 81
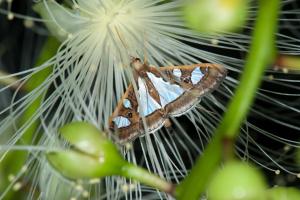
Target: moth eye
129, 115
186, 80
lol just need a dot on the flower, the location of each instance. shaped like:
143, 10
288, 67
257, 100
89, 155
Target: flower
90, 74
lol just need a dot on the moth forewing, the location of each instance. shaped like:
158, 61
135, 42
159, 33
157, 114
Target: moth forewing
197, 80
126, 110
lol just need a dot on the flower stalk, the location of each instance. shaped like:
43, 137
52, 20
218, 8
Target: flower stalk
142, 175
260, 56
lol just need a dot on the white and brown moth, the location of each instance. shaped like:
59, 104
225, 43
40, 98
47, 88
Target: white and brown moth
163, 92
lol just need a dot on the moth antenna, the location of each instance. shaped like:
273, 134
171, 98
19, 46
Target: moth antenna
120, 37
123, 43
104, 6
145, 51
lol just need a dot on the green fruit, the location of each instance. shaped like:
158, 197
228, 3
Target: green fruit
237, 181
210, 16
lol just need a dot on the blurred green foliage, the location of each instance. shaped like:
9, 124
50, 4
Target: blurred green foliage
15, 160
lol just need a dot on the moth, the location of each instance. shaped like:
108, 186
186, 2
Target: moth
161, 93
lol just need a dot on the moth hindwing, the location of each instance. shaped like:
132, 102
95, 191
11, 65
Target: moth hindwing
161, 93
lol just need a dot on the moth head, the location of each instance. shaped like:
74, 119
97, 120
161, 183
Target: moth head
136, 63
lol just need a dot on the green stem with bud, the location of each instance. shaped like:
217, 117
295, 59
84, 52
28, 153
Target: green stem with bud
101, 158
260, 56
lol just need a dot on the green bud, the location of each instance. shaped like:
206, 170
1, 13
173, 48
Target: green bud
237, 181
87, 138
76, 165
92, 156
211, 16
283, 193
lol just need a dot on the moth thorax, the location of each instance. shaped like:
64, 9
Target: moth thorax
137, 64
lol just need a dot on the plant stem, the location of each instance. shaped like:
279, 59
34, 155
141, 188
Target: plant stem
14, 161
137, 173
260, 56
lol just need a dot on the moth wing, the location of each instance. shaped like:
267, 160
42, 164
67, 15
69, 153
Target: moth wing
124, 121
179, 89
127, 119
150, 108
194, 81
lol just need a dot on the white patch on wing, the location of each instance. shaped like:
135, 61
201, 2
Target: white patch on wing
167, 92
121, 121
127, 104
196, 75
147, 103
177, 73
